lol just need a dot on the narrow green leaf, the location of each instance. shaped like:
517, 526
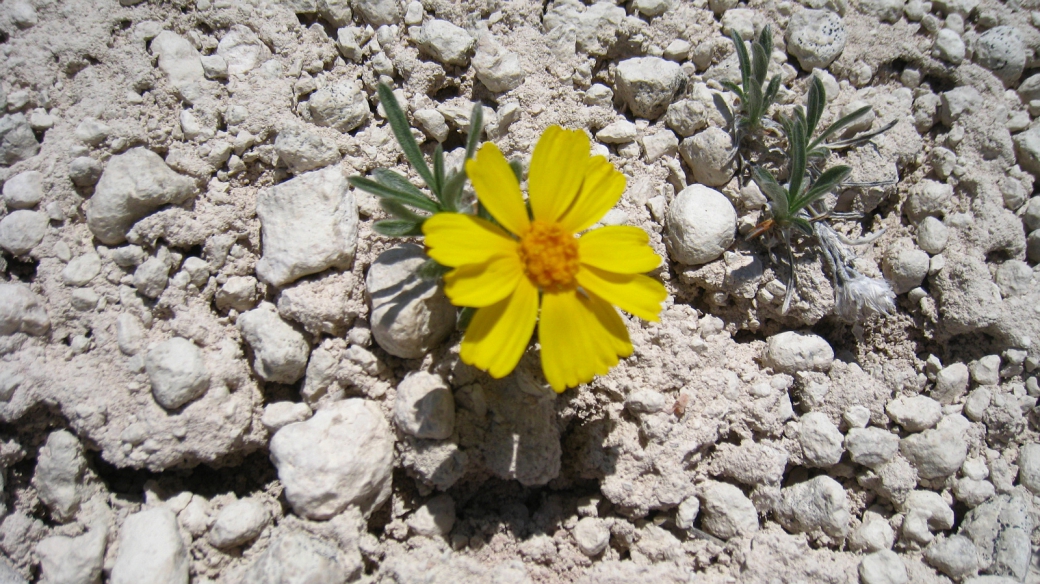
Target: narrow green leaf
419, 201
465, 316
819, 153
397, 228
517, 166
797, 153
839, 124
759, 64
773, 190
396, 181
802, 225
403, 132
754, 104
829, 179
742, 58
729, 85
765, 38
476, 126
453, 191
814, 104
399, 211
438, 173
861, 138
431, 270
771, 91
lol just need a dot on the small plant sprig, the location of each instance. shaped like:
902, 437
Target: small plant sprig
755, 95
793, 206
408, 205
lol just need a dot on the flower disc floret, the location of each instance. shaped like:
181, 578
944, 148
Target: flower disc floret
550, 256
521, 270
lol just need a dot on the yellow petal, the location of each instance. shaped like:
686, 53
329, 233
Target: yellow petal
497, 188
557, 169
455, 239
634, 293
498, 334
581, 337
480, 285
618, 248
600, 191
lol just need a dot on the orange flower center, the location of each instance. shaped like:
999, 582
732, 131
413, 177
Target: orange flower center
550, 256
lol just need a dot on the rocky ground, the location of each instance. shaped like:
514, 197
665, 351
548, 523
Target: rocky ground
213, 370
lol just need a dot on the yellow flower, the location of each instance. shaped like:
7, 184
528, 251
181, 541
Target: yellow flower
580, 279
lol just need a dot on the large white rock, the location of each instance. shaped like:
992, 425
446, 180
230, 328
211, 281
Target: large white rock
701, 223
815, 38
21, 231
21, 310
883, 567
379, 12
342, 456
725, 511
1029, 467
647, 85
17, 140
409, 315
72, 560
435, 517
1001, 50
181, 62
133, 185
817, 504
242, 50
914, 413
822, 442
309, 224
238, 522
59, 472
871, 446
424, 406
151, 550
342, 106
790, 352
446, 42
297, 557
177, 372
81, 270
24, 190
280, 350
302, 150
498, 69
709, 154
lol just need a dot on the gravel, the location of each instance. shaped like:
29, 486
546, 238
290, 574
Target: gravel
21, 231
701, 224
424, 406
816, 38
177, 372
647, 85
24, 190
238, 522
791, 352
280, 352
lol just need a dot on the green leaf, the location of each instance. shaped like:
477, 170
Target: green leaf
517, 166
431, 270
438, 173
754, 104
465, 316
802, 225
830, 178
412, 198
476, 126
776, 193
453, 191
814, 104
399, 211
860, 138
765, 38
759, 64
397, 228
771, 91
403, 132
743, 59
839, 124
796, 143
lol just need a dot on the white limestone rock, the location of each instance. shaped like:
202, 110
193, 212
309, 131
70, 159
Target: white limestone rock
883, 567
379, 12
280, 350
820, 439
342, 456
619, 132
871, 446
497, 68
435, 517
22, 311
701, 224
409, 315
816, 38
1029, 467
915, 413
177, 372
1001, 50
181, 62
951, 383
592, 535
72, 560
21, 231
151, 550
302, 150
238, 522
932, 235
134, 184
905, 268
790, 352
59, 474
725, 511
278, 415
709, 154
298, 557
954, 556
81, 269
17, 140
24, 190
152, 276
424, 406
342, 106
647, 85
239, 293
819, 504
242, 50
309, 224
939, 452
446, 42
